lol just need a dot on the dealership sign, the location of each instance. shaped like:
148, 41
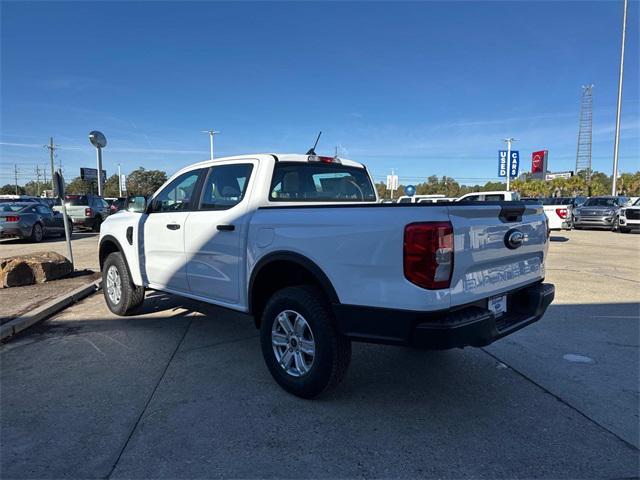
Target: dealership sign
503, 165
551, 176
539, 161
91, 174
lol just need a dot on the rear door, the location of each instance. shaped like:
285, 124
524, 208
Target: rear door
216, 232
485, 261
163, 259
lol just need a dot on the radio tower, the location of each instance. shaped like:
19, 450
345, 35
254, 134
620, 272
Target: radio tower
583, 155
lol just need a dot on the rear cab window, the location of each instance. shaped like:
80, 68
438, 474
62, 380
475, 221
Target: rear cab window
76, 200
320, 182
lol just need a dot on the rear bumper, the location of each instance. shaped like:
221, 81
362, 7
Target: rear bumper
468, 325
82, 222
15, 231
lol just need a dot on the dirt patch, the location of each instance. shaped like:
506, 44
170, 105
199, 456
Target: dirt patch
16, 301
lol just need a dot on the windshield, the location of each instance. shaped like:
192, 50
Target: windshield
75, 200
601, 202
313, 182
637, 203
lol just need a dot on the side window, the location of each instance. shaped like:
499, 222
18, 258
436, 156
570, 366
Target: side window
472, 198
44, 210
177, 195
225, 186
493, 198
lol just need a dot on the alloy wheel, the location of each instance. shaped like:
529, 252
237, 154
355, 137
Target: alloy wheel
293, 343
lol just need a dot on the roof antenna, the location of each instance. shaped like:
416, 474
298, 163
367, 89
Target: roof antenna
312, 150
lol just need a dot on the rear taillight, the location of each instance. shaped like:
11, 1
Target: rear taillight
12, 218
88, 212
562, 212
428, 254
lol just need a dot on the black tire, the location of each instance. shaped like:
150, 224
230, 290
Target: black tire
624, 229
96, 224
37, 232
131, 296
332, 350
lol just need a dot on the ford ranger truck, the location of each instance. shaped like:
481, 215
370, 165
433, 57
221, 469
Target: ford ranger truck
300, 243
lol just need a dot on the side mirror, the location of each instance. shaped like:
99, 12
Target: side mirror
137, 204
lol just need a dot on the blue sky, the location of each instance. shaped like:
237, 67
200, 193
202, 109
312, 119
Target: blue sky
423, 87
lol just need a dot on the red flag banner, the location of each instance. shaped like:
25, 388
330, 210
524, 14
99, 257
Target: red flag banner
537, 162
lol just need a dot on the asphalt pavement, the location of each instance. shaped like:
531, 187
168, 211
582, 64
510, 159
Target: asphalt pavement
181, 391
84, 245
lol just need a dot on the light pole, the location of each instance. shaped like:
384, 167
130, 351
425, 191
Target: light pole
616, 143
509, 141
211, 134
99, 141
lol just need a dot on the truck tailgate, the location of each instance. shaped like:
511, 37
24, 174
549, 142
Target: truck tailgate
483, 263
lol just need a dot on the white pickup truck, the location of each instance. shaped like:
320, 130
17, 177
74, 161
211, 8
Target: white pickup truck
300, 243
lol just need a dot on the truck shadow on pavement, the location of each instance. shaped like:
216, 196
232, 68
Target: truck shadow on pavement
181, 390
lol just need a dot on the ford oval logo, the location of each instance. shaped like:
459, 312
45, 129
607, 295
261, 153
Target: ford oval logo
515, 238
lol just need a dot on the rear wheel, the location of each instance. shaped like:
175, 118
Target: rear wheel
121, 295
301, 346
37, 233
624, 229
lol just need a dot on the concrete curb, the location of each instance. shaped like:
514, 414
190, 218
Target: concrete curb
23, 322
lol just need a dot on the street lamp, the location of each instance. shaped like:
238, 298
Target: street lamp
211, 134
99, 141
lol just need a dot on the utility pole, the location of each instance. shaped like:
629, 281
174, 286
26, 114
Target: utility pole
616, 144
52, 149
38, 178
211, 134
15, 175
509, 141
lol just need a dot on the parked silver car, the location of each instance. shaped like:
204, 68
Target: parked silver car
29, 220
598, 212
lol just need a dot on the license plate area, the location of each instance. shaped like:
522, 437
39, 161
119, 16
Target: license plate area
497, 305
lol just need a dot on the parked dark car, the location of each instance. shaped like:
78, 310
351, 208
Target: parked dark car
29, 220
599, 212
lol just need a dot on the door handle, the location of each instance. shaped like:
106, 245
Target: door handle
226, 228
173, 226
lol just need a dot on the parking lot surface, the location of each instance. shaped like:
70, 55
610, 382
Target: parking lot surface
181, 391
84, 245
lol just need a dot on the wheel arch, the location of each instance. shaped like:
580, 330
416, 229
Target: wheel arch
108, 245
281, 269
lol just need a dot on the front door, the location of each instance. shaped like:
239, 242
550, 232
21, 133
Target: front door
216, 232
163, 261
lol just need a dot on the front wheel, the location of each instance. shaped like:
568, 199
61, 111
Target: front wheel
301, 346
121, 295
